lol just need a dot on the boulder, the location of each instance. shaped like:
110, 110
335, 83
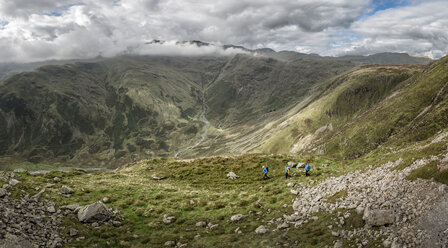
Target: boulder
73, 232
116, 223
295, 191
360, 210
378, 217
300, 165
338, 244
96, 212
232, 175
167, 219
296, 205
67, 190
237, 217
170, 243
261, 230
3, 192
51, 209
292, 164
325, 165
291, 184
283, 225
13, 182
71, 207
201, 224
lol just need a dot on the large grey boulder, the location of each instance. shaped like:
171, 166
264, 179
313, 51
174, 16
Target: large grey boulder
261, 230
378, 217
232, 175
96, 212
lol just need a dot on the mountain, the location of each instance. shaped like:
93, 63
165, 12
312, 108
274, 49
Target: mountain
107, 111
131, 107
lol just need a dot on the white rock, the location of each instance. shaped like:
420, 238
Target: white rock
232, 175
261, 230
237, 217
13, 182
167, 219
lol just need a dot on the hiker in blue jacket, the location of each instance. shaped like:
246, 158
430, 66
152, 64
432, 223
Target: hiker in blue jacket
307, 169
265, 173
287, 170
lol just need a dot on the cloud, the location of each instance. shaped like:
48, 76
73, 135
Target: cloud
420, 29
65, 29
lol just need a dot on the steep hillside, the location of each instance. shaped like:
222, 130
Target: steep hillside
365, 109
104, 110
248, 87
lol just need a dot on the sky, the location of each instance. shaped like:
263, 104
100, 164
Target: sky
36, 30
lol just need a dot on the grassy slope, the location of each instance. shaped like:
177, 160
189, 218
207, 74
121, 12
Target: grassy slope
195, 191
396, 120
344, 97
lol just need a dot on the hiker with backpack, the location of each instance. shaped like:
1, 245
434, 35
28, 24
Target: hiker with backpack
307, 169
265, 173
287, 171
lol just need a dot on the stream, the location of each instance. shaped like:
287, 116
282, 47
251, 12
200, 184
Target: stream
204, 129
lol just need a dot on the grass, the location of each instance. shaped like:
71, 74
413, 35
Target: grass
337, 195
195, 190
429, 171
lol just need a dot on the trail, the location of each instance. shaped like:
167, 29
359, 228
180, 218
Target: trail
204, 129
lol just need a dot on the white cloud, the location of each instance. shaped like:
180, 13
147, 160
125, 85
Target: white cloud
63, 29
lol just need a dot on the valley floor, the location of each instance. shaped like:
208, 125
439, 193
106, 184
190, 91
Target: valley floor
378, 201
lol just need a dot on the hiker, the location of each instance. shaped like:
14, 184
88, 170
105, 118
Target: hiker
265, 173
287, 170
307, 169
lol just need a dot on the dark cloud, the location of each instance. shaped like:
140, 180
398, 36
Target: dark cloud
61, 29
